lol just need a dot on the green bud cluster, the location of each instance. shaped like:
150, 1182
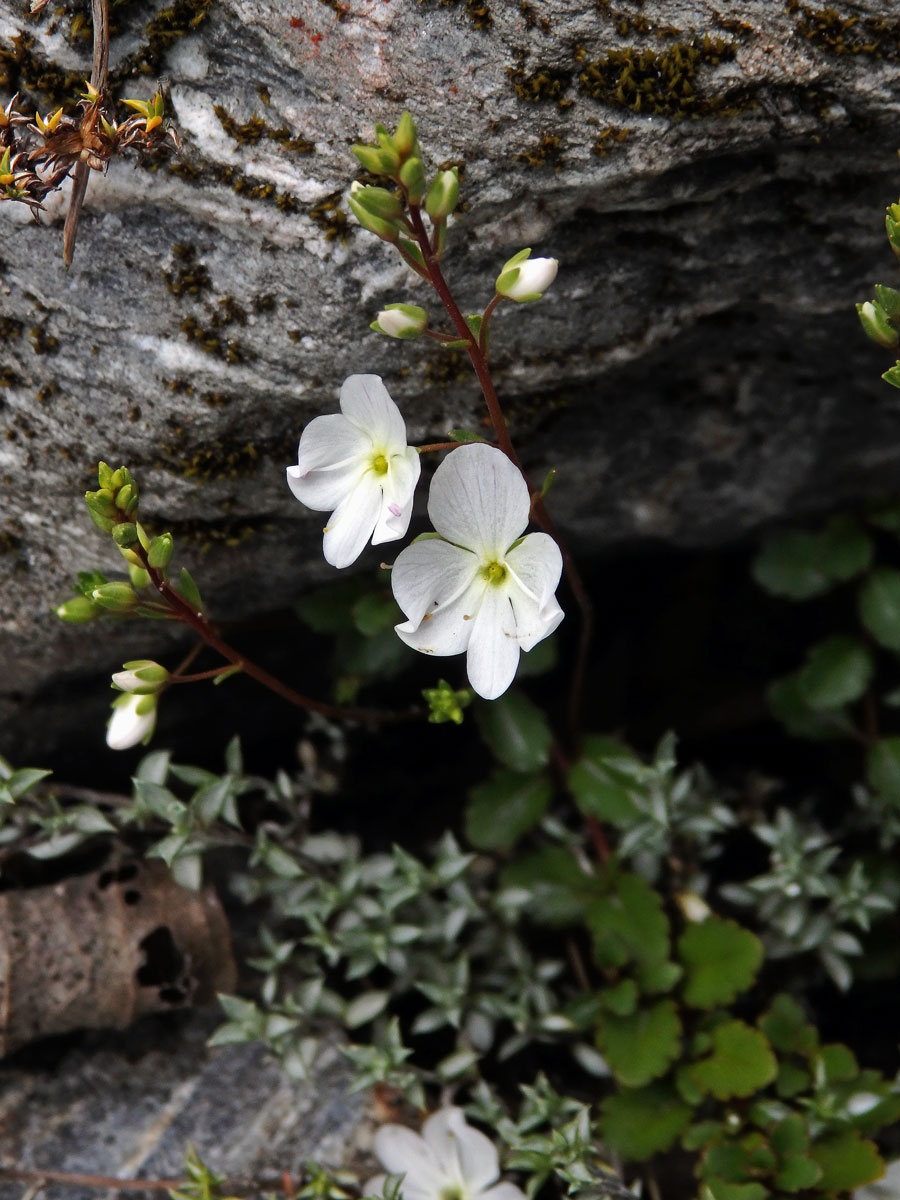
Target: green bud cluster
892, 227
141, 677
445, 703
398, 157
115, 502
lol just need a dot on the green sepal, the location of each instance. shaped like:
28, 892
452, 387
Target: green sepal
102, 507
465, 436
189, 591
876, 324
405, 139
77, 611
375, 159
413, 251
118, 597
892, 375
379, 202
889, 299
443, 195
125, 535
159, 555
412, 176
138, 576
387, 230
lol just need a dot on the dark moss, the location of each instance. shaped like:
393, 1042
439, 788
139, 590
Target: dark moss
543, 83
11, 329
533, 20
9, 378
47, 392
161, 32
328, 213
189, 277
849, 32
264, 303
229, 312
659, 82
545, 154
207, 339
264, 94
450, 366
247, 133
201, 171
10, 538
608, 139
42, 342
340, 8
213, 461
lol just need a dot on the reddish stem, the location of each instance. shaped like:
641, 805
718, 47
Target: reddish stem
476, 348
183, 611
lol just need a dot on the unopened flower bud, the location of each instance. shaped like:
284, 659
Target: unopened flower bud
443, 195
143, 677
380, 202
524, 279
118, 596
133, 720
405, 137
374, 159
386, 230
412, 176
78, 611
139, 577
401, 321
875, 323
160, 553
102, 507
125, 535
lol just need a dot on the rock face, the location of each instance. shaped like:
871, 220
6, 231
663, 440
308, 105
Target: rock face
711, 176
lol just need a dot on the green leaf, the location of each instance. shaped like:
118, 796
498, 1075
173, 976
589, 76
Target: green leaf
505, 807
837, 671
838, 1063
892, 375
516, 731
889, 299
789, 565
598, 789
559, 890
846, 549
791, 1080
628, 924
375, 612
790, 1136
785, 1025
797, 1172
621, 999
720, 959
879, 606
741, 1062
720, 1189
640, 1123
788, 704
465, 435
653, 978
847, 1160
24, 779
643, 1045
883, 768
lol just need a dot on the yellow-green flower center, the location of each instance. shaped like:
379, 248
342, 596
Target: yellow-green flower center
451, 1193
494, 572
380, 464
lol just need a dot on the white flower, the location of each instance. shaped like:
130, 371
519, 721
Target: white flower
449, 1161
479, 587
401, 321
133, 720
142, 676
358, 464
523, 278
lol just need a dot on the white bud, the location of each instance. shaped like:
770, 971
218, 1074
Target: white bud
523, 279
693, 907
142, 677
401, 321
133, 720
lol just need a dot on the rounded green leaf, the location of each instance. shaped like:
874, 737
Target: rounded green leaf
847, 1160
504, 807
845, 549
640, 1123
720, 960
785, 1025
643, 1045
883, 768
516, 732
789, 565
797, 1172
741, 1062
879, 606
599, 789
788, 704
837, 671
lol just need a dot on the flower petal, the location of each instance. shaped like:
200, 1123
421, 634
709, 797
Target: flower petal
462, 1151
493, 647
352, 523
535, 566
367, 403
428, 574
329, 441
479, 500
402, 1152
503, 1191
324, 490
398, 486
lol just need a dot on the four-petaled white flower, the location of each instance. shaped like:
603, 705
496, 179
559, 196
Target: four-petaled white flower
357, 463
449, 1161
480, 587
133, 720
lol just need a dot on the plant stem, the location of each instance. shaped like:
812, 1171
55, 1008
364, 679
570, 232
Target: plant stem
100, 81
433, 447
183, 611
477, 350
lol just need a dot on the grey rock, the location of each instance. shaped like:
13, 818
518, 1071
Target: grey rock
129, 1106
695, 373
